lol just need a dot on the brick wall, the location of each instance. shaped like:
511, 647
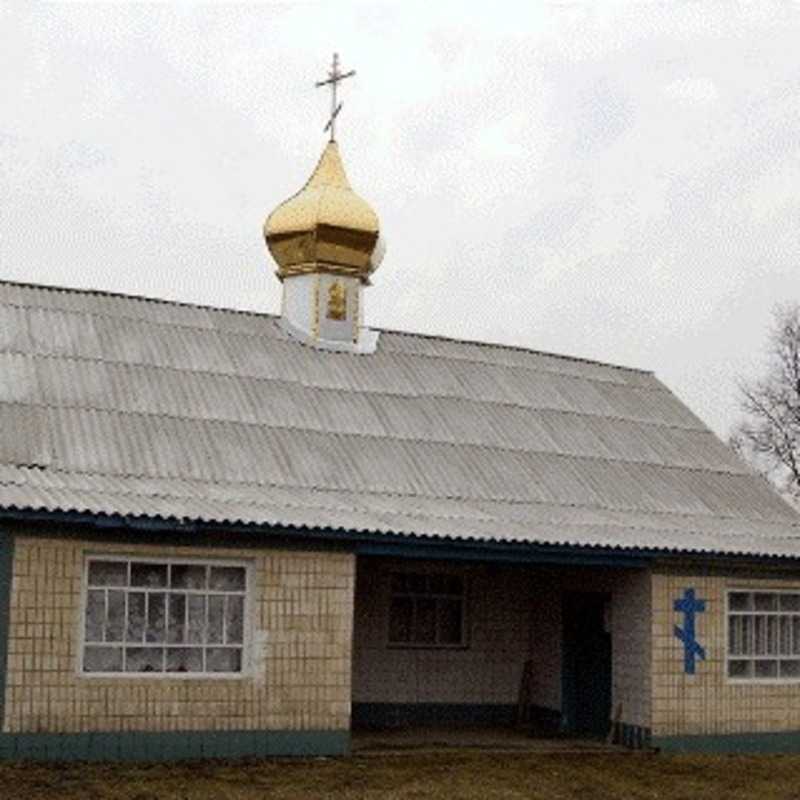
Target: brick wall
631, 621
630, 635
301, 618
707, 702
487, 671
514, 613
302, 621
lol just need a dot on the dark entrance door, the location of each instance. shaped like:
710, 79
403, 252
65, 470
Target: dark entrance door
586, 663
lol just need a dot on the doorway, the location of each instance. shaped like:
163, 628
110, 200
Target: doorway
586, 663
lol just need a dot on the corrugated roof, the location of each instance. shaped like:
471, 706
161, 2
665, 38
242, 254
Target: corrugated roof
120, 405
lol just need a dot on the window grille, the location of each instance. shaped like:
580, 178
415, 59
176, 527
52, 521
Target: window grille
427, 610
163, 617
763, 636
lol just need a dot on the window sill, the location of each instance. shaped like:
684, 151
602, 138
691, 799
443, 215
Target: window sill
166, 676
404, 646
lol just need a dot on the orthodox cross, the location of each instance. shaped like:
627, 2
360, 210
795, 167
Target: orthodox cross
334, 76
688, 605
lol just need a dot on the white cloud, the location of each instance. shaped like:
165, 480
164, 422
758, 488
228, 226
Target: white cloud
698, 90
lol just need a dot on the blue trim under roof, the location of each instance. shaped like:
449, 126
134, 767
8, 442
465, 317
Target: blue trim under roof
364, 543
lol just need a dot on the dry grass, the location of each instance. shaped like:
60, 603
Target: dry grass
463, 775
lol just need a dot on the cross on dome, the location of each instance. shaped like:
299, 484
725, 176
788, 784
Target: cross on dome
333, 80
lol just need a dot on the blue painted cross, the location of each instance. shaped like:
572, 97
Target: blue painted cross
689, 606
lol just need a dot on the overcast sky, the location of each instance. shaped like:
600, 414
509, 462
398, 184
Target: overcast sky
616, 181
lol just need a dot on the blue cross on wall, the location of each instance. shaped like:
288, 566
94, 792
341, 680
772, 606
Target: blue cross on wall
688, 605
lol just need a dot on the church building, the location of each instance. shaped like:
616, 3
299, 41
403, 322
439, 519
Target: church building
235, 534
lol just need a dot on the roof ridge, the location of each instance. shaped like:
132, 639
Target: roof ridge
271, 315
515, 348
138, 297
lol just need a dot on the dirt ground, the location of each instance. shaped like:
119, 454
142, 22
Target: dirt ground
463, 775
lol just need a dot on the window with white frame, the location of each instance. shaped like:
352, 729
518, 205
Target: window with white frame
163, 616
763, 635
427, 610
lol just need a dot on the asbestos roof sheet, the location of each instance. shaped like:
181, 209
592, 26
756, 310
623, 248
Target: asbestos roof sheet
121, 405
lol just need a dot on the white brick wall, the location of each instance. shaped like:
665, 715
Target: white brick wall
487, 671
630, 634
631, 614
514, 614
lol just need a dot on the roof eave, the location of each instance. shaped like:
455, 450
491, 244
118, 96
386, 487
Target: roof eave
379, 543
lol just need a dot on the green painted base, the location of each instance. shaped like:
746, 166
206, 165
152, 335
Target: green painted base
170, 746
382, 716
633, 736
776, 742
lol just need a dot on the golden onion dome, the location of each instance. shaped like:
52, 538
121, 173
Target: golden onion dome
325, 227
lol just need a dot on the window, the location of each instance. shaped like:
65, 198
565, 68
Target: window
427, 610
764, 635
163, 617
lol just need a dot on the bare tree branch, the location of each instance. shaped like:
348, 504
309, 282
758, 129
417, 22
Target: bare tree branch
768, 436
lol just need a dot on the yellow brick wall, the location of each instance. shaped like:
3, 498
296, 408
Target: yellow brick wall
706, 702
301, 620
